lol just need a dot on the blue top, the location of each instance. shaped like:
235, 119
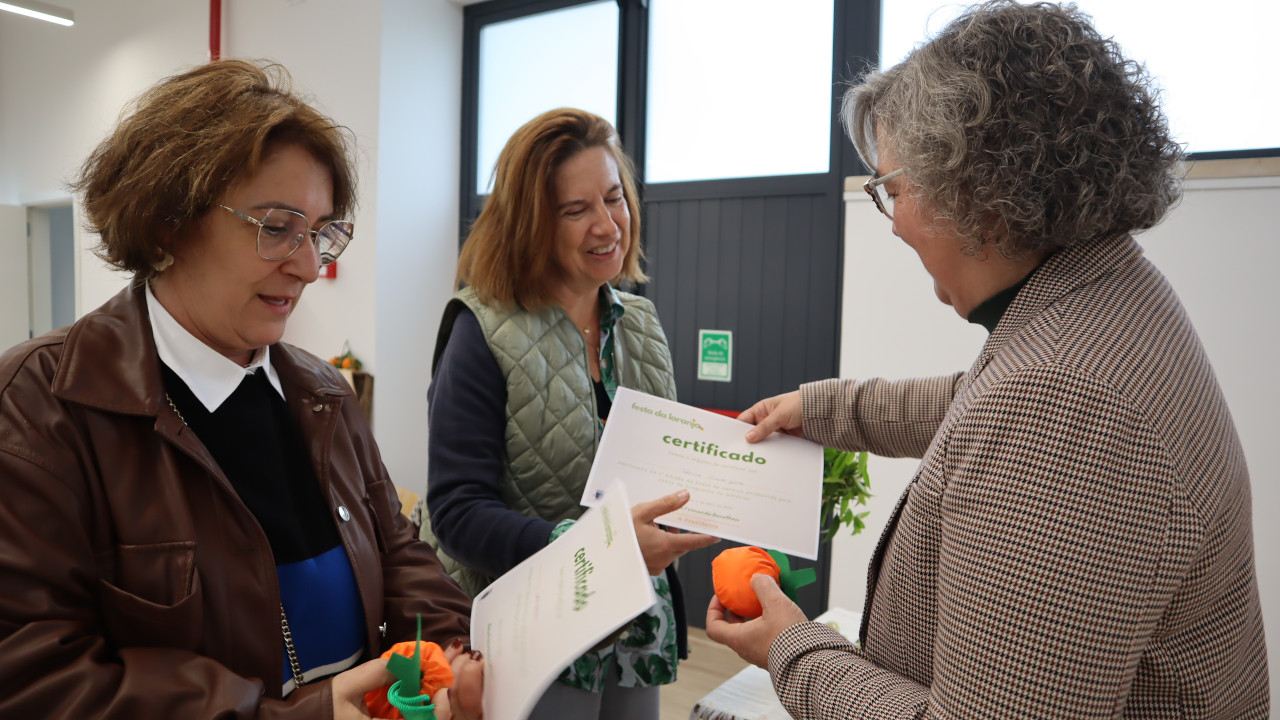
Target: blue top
466, 414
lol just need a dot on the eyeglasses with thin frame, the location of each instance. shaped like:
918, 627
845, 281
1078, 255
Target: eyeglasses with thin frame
280, 234
882, 199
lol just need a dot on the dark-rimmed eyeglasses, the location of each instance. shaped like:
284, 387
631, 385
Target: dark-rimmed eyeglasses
882, 199
281, 232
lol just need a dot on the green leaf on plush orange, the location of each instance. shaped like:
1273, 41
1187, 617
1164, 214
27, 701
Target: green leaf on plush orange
791, 580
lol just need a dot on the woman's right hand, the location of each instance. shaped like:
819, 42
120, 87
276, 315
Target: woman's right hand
661, 546
780, 413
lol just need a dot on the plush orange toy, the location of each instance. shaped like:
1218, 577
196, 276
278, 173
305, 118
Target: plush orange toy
436, 674
731, 573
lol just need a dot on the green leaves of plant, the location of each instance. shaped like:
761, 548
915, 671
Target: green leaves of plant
845, 485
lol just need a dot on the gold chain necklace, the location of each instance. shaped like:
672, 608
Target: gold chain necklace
289, 649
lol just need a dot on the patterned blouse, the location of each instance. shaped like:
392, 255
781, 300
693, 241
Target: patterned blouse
646, 651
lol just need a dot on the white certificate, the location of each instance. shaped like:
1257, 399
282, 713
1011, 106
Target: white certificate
535, 620
767, 494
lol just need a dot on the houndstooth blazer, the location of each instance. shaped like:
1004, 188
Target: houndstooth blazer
1077, 541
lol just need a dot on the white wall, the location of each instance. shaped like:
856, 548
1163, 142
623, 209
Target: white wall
39, 256
61, 89
14, 325
1219, 248
420, 130
331, 50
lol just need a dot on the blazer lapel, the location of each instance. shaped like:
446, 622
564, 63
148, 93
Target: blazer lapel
1060, 274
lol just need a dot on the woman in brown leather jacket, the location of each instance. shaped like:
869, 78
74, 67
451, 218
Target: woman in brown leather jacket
195, 521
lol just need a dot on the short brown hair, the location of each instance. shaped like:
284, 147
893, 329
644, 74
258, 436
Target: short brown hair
1023, 129
184, 142
507, 257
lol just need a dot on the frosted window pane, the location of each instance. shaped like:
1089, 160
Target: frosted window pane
1209, 60
738, 88
562, 58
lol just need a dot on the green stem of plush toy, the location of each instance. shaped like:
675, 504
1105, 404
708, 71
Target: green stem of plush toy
415, 707
791, 580
408, 672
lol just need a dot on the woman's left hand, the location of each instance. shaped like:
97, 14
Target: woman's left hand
751, 639
350, 686
462, 701
659, 546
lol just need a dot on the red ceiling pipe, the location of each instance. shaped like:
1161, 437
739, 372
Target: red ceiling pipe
215, 30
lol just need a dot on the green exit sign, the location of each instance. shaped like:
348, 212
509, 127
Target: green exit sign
715, 355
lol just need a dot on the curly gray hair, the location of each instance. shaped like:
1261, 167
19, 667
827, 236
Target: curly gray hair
1022, 128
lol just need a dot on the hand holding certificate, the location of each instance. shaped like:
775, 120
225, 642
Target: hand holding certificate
767, 494
534, 621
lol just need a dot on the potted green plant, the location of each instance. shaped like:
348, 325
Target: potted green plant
845, 485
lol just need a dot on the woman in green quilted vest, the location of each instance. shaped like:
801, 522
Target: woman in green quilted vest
528, 358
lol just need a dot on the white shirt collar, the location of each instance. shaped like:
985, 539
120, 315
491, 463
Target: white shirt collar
210, 375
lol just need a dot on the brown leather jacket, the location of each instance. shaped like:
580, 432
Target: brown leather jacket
134, 583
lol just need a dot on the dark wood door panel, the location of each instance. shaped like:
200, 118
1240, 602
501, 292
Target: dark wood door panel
766, 268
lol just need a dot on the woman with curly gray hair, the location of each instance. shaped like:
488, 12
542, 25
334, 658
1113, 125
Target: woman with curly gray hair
1077, 541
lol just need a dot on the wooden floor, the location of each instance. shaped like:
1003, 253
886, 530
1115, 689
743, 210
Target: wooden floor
709, 664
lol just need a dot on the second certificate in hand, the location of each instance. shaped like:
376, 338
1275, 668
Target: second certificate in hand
532, 622
767, 494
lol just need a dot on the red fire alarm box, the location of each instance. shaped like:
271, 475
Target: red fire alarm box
329, 271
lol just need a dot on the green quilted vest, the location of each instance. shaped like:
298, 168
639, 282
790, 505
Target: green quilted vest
551, 407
